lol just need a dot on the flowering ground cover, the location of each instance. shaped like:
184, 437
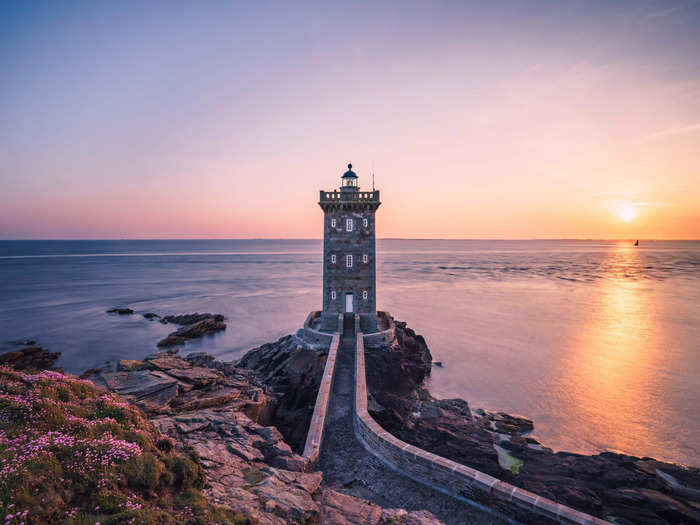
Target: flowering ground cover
71, 453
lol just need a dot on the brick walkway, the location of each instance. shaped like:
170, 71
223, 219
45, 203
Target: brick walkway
349, 468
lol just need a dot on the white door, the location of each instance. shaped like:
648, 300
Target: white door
348, 302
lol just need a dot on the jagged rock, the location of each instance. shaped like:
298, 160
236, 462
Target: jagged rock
199, 377
152, 390
395, 376
293, 370
130, 365
31, 358
201, 359
341, 509
150, 316
505, 423
167, 362
249, 467
187, 319
121, 311
195, 330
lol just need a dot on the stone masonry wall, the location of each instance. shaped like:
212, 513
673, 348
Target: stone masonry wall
312, 336
451, 477
312, 447
359, 242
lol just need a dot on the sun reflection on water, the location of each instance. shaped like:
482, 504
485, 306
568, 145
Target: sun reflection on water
610, 380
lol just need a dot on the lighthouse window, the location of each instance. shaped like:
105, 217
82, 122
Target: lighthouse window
364, 294
348, 225
348, 261
365, 222
333, 295
364, 258
333, 259
332, 223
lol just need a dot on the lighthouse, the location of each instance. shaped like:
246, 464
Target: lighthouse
349, 262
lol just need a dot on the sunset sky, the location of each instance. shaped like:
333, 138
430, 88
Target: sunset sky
574, 119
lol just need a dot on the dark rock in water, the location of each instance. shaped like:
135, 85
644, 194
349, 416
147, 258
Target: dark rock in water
505, 423
293, 371
150, 316
24, 342
121, 311
91, 372
437, 363
195, 326
31, 358
186, 319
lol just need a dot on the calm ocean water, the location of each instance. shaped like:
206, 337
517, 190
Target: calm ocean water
598, 342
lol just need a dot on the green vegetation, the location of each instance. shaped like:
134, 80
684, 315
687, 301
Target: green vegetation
71, 453
507, 461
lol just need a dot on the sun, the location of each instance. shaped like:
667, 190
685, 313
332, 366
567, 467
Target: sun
626, 212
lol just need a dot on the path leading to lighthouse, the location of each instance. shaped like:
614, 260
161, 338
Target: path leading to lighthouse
349, 468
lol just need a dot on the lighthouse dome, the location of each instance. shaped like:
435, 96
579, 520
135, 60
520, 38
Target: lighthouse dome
349, 174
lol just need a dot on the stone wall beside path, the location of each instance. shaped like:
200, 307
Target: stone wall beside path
448, 476
312, 447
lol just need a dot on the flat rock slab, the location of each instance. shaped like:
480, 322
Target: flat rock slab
138, 384
168, 362
198, 377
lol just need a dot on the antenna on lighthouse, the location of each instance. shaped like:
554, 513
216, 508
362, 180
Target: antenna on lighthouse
372, 175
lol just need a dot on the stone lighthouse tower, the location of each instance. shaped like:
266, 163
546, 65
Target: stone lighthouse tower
349, 253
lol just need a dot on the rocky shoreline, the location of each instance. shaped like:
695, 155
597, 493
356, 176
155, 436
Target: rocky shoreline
223, 412
618, 487
248, 419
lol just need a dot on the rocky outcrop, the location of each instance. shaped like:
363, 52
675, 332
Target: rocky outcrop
30, 358
395, 377
120, 311
625, 488
165, 383
292, 369
220, 412
194, 326
188, 319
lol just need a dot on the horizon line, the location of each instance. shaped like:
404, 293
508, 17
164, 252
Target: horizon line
321, 239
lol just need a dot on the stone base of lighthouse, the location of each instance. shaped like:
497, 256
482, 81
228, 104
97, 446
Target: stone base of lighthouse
368, 322
318, 328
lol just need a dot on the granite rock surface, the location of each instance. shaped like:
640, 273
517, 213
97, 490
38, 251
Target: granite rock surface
222, 412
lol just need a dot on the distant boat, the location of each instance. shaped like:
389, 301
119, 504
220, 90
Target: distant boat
636, 243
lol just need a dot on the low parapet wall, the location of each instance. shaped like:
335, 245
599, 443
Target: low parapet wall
384, 336
312, 336
449, 476
314, 437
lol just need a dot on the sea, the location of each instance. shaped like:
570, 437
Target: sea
598, 342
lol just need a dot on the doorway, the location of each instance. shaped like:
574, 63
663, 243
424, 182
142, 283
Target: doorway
348, 303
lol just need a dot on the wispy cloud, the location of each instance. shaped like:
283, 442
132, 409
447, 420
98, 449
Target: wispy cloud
666, 12
675, 130
652, 204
